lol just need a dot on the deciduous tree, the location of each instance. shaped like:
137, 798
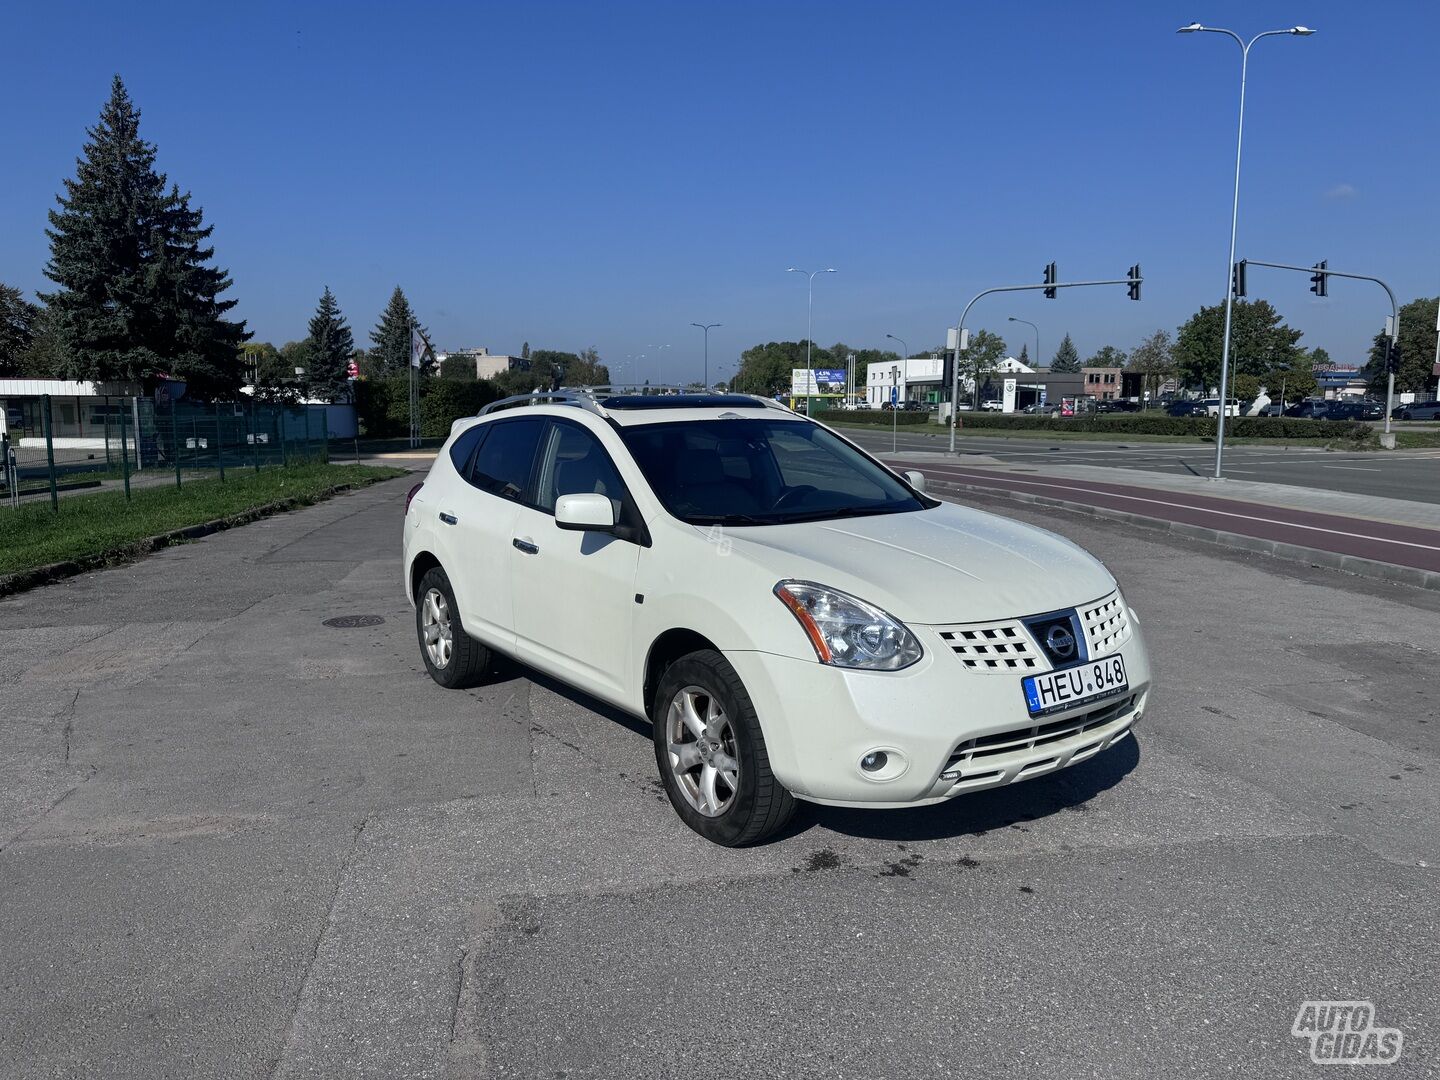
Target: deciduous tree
1417, 349
1261, 344
977, 363
1153, 359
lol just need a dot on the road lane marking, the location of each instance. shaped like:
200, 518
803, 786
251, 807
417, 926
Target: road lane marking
1222, 513
1352, 468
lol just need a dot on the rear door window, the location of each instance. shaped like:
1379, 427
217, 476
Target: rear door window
463, 448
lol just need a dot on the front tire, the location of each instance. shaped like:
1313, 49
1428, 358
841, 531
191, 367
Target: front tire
454, 659
711, 753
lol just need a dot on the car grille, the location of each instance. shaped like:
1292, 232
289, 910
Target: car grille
1007, 646
1106, 624
1001, 646
972, 753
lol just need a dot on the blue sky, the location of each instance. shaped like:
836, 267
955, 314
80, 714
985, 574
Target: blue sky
574, 174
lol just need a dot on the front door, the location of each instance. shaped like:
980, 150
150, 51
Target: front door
574, 592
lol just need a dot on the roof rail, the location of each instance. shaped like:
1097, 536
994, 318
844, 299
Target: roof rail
557, 397
584, 397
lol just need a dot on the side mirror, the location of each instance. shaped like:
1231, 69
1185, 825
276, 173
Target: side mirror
916, 480
585, 512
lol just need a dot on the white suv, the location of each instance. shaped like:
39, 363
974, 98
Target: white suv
794, 619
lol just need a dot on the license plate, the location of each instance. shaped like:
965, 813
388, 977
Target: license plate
1056, 691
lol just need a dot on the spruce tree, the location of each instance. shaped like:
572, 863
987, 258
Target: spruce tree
1067, 357
138, 298
17, 328
391, 335
330, 346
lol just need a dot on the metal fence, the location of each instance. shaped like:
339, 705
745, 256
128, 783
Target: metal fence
52, 447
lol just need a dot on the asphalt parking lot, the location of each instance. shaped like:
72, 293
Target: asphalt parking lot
238, 842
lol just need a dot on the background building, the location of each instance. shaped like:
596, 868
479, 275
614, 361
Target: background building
487, 364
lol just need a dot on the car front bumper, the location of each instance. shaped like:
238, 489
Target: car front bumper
945, 730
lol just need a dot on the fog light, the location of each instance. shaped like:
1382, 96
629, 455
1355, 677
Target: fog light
874, 761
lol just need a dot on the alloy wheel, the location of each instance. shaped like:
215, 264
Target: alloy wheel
435, 627
702, 755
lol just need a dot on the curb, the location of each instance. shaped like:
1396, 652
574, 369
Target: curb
24, 580
1330, 560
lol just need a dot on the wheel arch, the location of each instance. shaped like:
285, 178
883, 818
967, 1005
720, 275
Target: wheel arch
420, 565
665, 650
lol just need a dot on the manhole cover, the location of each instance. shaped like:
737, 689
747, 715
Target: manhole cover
345, 622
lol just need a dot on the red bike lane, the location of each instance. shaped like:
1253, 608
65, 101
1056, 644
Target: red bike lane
1403, 545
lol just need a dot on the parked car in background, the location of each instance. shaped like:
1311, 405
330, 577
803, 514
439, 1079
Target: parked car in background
1186, 408
1117, 405
993, 406
1418, 410
1212, 406
1049, 408
1309, 409
1361, 409
912, 406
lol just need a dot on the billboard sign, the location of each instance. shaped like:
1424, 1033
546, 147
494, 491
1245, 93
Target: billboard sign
819, 382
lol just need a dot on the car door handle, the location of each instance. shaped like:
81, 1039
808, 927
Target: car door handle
449, 519
527, 546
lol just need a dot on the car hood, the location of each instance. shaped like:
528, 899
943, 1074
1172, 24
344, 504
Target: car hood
948, 564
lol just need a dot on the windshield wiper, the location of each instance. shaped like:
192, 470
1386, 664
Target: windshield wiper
731, 519
843, 512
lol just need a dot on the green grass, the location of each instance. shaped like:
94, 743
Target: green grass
103, 525
1416, 440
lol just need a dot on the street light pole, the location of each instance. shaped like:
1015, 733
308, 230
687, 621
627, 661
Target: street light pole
809, 320
895, 420
1032, 326
1297, 31
707, 327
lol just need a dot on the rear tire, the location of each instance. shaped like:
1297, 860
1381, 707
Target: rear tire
711, 753
454, 659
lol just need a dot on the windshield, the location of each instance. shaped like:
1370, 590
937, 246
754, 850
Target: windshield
762, 472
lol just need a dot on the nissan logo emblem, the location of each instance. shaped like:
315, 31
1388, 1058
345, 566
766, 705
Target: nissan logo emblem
1060, 641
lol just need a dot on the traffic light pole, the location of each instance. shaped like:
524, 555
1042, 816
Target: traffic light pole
1394, 320
960, 332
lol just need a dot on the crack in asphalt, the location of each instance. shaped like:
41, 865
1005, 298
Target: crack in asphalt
340, 875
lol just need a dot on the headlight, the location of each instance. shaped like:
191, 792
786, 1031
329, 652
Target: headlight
847, 632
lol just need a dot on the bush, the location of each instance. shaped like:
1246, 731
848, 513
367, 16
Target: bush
383, 405
873, 416
1157, 423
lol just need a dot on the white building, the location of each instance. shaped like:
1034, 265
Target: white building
487, 364
921, 378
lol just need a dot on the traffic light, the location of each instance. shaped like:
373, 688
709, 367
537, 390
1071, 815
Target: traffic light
1392, 358
1237, 279
1320, 280
1134, 276
1050, 278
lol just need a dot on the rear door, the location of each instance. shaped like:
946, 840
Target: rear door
575, 591
481, 518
